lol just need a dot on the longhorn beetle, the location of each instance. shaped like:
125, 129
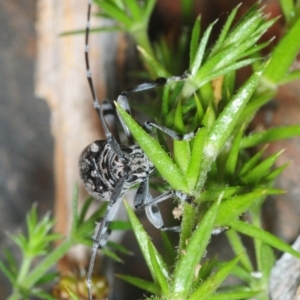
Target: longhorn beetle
109, 169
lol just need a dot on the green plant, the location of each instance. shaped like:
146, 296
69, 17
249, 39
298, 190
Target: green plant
215, 167
28, 279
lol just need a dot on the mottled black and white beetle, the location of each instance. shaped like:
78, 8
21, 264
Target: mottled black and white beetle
109, 169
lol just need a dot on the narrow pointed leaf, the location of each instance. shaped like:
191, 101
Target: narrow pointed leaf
114, 12
195, 40
169, 253
233, 154
254, 175
267, 262
288, 9
119, 225
274, 174
143, 240
181, 148
235, 295
9, 275
92, 30
225, 124
238, 248
149, 8
156, 154
247, 25
225, 30
201, 50
148, 286
160, 71
186, 226
210, 285
193, 170
160, 276
134, 10
84, 210
185, 269
226, 121
270, 135
227, 192
119, 248
283, 55
232, 208
112, 255
252, 162
264, 236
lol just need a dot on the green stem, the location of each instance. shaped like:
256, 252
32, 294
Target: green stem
15, 296
142, 40
47, 263
256, 221
24, 270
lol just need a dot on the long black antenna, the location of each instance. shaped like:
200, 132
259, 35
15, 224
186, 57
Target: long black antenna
111, 140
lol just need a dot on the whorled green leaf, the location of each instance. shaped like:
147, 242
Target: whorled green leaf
228, 68
160, 276
8, 273
246, 26
209, 286
288, 9
270, 135
119, 225
207, 97
194, 164
244, 275
115, 12
233, 154
195, 65
119, 248
228, 87
160, 71
149, 8
156, 154
233, 207
224, 125
187, 226
181, 148
228, 191
250, 294
267, 262
169, 249
148, 286
255, 103
252, 162
112, 255
225, 30
143, 241
134, 9
189, 258
46, 264
261, 170
199, 113
92, 30
283, 56
264, 236
195, 40
226, 121
238, 248
275, 173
